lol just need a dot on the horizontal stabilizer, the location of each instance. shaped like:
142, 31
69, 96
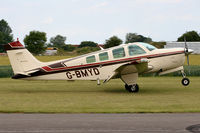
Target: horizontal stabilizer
13, 46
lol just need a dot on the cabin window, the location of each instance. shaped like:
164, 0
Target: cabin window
118, 53
90, 59
103, 56
135, 50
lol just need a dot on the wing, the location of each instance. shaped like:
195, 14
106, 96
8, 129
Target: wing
139, 66
130, 70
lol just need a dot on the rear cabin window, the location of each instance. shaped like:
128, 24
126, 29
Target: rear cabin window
118, 53
135, 50
90, 59
103, 56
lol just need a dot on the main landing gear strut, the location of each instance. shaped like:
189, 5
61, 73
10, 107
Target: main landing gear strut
132, 88
185, 81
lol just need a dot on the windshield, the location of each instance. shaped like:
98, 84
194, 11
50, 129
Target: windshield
135, 50
148, 46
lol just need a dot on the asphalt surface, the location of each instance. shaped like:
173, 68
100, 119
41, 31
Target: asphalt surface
100, 123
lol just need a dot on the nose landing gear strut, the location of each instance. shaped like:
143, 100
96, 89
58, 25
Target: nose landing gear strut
185, 81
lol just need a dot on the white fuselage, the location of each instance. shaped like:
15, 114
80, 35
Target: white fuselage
159, 60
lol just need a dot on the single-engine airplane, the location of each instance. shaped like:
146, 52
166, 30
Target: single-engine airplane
125, 61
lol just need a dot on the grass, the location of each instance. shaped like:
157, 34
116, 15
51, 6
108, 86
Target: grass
157, 94
52, 58
194, 59
4, 61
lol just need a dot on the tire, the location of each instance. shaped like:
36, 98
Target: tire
185, 81
132, 88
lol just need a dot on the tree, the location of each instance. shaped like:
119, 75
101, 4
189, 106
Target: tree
35, 42
85, 50
58, 41
113, 41
191, 36
87, 44
68, 47
134, 37
5, 34
158, 44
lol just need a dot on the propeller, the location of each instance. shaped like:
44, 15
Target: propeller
186, 51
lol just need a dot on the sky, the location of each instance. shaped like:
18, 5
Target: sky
98, 20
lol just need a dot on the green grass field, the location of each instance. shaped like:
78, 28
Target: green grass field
157, 94
194, 59
4, 61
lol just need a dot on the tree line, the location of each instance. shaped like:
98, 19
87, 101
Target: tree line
36, 41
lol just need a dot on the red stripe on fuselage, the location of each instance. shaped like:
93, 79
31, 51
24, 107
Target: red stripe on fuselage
49, 69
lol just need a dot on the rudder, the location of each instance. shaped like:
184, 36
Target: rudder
22, 61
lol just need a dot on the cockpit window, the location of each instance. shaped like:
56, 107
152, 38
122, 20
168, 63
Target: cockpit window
118, 53
148, 46
135, 50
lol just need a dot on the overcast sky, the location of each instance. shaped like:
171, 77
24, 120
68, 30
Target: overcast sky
97, 20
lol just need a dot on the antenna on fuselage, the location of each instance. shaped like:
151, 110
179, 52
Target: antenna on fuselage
100, 47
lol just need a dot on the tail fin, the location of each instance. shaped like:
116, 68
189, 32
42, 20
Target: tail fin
22, 61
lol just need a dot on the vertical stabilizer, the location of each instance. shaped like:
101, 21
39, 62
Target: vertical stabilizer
22, 61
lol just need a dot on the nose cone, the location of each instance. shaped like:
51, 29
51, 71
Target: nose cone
190, 51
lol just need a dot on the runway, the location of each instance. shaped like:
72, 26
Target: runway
100, 123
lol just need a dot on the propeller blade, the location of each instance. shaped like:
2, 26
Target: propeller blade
186, 47
188, 64
187, 54
188, 60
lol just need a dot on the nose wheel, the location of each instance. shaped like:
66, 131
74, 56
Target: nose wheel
185, 81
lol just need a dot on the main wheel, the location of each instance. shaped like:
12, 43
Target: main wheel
185, 81
132, 88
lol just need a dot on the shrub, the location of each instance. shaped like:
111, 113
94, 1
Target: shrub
6, 71
85, 50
